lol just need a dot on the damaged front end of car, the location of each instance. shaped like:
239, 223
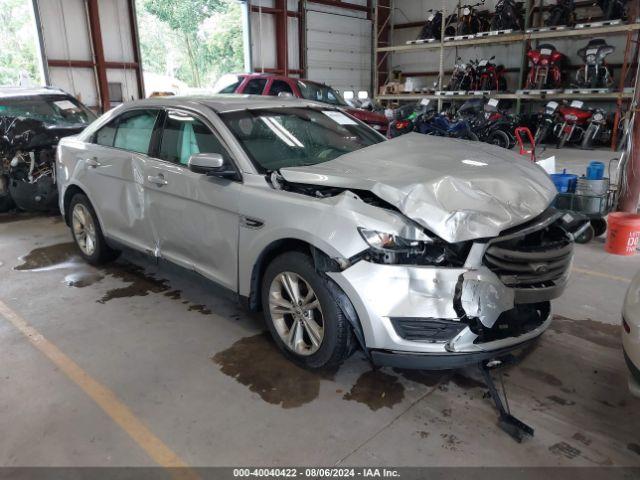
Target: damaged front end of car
457, 286
27, 163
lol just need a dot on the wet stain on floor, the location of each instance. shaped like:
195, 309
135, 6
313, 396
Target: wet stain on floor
82, 279
16, 217
140, 284
376, 390
200, 308
60, 255
257, 363
423, 377
543, 377
599, 333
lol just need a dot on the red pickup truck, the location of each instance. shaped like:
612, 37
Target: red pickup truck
267, 84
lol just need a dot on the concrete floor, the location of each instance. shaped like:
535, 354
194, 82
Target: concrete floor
197, 370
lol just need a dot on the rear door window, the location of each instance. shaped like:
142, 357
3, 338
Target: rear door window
278, 87
135, 129
255, 86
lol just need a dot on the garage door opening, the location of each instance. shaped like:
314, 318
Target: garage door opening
186, 46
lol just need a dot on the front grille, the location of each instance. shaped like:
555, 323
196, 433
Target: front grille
535, 259
433, 330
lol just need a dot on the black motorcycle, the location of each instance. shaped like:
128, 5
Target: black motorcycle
595, 73
469, 21
598, 131
508, 16
613, 9
562, 13
463, 76
546, 121
432, 29
489, 123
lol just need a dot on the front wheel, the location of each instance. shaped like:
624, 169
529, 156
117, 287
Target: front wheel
589, 137
303, 317
87, 232
541, 134
586, 236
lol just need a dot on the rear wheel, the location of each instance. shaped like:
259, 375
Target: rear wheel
304, 319
87, 232
499, 138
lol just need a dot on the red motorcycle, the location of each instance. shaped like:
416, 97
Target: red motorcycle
573, 121
544, 67
491, 76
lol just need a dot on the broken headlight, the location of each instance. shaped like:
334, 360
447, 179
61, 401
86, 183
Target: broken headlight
393, 249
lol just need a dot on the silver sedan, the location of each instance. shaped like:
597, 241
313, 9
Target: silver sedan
424, 252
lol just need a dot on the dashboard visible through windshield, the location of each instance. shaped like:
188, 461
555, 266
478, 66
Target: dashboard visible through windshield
293, 137
52, 109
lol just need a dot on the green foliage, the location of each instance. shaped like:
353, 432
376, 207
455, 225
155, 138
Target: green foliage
194, 40
18, 42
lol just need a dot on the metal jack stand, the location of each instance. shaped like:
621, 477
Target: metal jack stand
516, 429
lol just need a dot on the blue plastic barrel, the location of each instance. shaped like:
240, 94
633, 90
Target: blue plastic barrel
595, 171
564, 182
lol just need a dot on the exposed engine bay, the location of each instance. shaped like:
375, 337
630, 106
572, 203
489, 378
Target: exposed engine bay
27, 163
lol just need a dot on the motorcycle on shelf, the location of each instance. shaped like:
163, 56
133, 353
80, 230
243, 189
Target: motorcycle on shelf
469, 20
544, 67
613, 9
463, 76
491, 76
432, 29
546, 121
490, 124
595, 73
562, 14
508, 16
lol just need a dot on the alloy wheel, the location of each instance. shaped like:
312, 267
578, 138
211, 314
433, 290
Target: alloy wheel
84, 229
296, 313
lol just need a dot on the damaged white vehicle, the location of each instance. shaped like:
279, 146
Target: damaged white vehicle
423, 251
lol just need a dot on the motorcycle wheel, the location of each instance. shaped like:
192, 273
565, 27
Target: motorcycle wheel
599, 226
562, 140
589, 137
499, 138
469, 136
541, 134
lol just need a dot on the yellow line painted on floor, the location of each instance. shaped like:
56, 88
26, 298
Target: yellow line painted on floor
104, 397
600, 274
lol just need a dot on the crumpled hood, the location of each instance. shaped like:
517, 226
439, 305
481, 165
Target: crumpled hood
457, 189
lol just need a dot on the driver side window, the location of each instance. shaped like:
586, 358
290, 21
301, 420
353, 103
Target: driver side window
184, 135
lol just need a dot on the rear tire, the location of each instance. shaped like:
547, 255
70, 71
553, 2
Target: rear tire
292, 330
499, 138
87, 232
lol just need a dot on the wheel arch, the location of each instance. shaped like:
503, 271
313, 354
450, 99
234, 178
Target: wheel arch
69, 193
323, 263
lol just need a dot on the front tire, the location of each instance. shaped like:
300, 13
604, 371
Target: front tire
87, 233
499, 138
304, 319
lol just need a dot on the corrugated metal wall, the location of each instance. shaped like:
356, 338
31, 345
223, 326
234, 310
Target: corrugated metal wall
72, 61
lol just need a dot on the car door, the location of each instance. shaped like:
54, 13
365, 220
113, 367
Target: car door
194, 217
113, 172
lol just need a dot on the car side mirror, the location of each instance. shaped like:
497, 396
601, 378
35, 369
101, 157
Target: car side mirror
212, 164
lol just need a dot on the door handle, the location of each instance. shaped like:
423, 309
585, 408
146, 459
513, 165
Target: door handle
92, 162
159, 180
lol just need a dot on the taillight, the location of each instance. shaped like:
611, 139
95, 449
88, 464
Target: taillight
626, 326
402, 124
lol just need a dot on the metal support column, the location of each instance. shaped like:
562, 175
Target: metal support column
98, 53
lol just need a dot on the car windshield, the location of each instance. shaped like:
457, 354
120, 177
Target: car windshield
293, 137
53, 109
321, 93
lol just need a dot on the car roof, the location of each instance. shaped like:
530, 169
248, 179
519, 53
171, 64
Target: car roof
225, 102
8, 92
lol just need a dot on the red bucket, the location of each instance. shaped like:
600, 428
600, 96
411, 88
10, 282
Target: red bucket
623, 233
